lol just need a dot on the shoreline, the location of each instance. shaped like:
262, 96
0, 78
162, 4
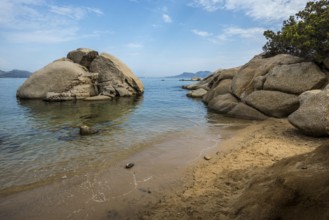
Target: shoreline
214, 188
117, 192
165, 185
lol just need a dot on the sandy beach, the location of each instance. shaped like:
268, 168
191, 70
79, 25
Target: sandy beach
264, 170
251, 179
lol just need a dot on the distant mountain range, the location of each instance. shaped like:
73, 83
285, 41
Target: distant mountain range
187, 75
15, 74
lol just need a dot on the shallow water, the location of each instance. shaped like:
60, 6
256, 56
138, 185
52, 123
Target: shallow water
47, 170
40, 143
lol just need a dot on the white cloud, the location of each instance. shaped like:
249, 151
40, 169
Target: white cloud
269, 10
166, 18
208, 5
73, 12
244, 32
201, 33
27, 21
134, 45
43, 36
231, 34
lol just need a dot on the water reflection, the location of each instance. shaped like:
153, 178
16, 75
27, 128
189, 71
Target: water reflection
228, 123
79, 112
46, 141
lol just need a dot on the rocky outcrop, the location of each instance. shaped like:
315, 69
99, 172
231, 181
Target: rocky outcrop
59, 79
262, 88
244, 111
273, 103
115, 76
82, 56
84, 73
223, 87
223, 103
295, 78
312, 117
242, 84
199, 93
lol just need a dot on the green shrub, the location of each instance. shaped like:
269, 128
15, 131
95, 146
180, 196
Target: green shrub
305, 35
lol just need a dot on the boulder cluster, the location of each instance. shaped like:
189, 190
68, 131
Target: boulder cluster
280, 86
83, 74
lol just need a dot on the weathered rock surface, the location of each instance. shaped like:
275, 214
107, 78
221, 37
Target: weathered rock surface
242, 84
244, 111
113, 74
223, 103
293, 188
258, 82
295, 78
199, 93
83, 74
86, 130
263, 87
273, 103
312, 117
222, 74
82, 56
98, 98
223, 87
58, 77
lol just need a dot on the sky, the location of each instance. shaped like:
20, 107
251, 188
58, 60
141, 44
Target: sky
153, 37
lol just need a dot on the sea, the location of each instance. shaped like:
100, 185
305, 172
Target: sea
40, 142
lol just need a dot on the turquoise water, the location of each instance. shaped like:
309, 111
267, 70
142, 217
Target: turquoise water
40, 142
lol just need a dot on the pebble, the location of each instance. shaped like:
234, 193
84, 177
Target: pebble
207, 157
129, 165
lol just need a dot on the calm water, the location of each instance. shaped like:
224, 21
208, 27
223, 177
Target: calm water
40, 142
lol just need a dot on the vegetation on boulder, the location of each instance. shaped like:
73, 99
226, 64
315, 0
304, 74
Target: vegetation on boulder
305, 35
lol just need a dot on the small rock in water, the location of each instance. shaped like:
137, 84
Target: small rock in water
86, 130
207, 157
129, 165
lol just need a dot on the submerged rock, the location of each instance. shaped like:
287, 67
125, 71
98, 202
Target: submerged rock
86, 130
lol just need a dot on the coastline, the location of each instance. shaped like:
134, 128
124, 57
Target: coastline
116, 192
189, 188
213, 188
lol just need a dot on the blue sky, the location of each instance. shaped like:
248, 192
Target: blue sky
153, 37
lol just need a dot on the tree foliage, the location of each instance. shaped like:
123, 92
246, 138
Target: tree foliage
305, 34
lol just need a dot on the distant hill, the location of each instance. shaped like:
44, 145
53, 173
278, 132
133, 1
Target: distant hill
186, 75
15, 74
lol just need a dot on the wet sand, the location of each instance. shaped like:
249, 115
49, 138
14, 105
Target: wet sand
247, 181
171, 179
116, 192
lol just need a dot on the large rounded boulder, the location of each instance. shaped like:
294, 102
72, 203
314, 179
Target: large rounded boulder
242, 84
273, 103
84, 73
61, 76
115, 77
295, 78
312, 117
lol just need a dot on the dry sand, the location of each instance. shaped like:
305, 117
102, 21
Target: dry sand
252, 179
